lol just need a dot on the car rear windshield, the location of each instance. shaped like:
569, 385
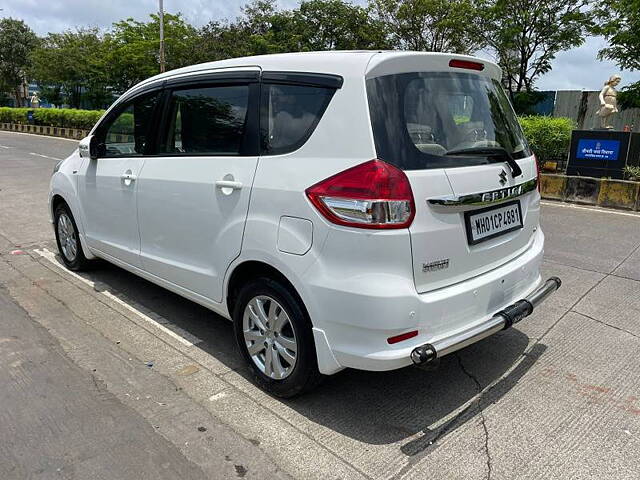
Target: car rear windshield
417, 118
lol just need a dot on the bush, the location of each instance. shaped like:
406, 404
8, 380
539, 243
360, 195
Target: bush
549, 137
53, 117
632, 173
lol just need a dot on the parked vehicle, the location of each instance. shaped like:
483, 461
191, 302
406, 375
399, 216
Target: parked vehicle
365, 209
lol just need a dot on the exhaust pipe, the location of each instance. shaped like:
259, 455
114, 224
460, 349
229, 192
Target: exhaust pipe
502, 320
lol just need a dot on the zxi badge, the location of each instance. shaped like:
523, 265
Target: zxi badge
503, 177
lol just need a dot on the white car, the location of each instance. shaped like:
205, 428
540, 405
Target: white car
367, 210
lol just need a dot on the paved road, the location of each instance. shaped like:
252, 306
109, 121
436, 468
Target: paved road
106, 370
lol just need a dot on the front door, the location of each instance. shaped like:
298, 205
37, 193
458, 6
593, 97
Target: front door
107, 185
193, 195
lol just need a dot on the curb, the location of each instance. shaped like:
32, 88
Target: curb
64, 132
602, 192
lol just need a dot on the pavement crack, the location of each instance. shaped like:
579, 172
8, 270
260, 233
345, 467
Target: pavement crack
480, 412
602, 322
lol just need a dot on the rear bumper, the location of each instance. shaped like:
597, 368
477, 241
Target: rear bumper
355, 323
502, 320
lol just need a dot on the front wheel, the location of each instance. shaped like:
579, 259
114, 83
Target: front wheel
275, 338
68, 239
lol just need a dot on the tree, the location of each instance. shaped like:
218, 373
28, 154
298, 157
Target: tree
429, 25
17, 42
261, 29
619, 22
71, 66
132, 48
315, 25
336, 25
526, 36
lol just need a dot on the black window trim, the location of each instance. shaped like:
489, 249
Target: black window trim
214, 78
122, 104
327, 80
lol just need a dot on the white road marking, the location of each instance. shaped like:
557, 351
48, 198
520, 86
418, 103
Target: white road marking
217, 396
593, 209
4, 146
44, 156
159, 322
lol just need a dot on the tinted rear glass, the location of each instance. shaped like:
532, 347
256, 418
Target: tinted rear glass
289, 115
418, 117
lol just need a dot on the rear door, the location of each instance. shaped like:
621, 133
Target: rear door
193, 193
451, 132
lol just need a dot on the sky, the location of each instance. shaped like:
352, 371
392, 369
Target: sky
575, 69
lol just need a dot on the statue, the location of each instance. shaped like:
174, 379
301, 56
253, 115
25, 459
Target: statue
608, 101
35, 100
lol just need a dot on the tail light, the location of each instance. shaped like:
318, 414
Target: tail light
373, 194
535, 160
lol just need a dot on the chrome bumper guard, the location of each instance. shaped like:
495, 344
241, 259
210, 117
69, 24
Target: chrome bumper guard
500, 321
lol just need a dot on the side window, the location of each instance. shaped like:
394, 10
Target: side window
127, 133
207, 120
289, 115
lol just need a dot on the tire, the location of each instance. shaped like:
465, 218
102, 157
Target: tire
68, 239
280, 376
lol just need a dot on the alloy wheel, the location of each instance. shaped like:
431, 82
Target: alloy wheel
67, 237
269, 337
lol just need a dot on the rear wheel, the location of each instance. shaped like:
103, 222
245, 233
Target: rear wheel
68, 239
275, 338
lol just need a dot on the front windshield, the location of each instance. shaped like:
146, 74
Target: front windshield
419, 117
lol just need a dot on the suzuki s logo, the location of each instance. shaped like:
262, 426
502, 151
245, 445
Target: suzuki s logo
503, 177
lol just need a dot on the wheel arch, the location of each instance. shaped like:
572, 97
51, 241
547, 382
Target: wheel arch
57, 199
244, 271
250, 269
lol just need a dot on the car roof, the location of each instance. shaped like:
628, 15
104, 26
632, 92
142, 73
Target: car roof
346, 63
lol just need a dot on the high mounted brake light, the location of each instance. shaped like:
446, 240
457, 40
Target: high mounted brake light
372, 195
468, 64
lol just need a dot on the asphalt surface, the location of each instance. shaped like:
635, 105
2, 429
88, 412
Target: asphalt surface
105, 375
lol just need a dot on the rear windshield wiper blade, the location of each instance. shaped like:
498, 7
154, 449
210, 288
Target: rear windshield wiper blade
500, 152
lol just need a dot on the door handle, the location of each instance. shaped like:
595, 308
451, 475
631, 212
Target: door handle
233, 185
128, 178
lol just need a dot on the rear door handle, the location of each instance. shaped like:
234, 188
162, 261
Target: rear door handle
128, 178
233, 185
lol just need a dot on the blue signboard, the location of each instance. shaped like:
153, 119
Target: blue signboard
598, 149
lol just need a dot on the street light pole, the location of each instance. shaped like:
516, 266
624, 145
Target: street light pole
162, 68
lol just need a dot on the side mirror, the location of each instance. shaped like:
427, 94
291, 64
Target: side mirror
89, 147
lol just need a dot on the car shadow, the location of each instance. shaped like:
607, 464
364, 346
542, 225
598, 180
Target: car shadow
370, 407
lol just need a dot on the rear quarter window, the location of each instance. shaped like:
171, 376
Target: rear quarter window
289, 114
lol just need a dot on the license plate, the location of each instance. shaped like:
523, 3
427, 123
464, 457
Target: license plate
491, 222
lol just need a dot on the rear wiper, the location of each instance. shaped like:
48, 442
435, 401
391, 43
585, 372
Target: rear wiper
498, 152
